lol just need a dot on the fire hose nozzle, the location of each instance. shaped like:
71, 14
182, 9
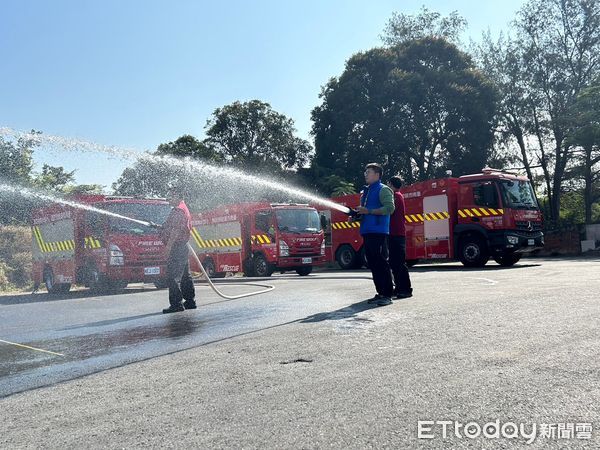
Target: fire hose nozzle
352, 212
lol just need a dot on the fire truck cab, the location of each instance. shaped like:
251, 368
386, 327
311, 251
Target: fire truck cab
258, 239
472, 218
72, 245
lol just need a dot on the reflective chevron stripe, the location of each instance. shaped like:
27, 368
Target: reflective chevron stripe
223, 242
480, 212
61, 246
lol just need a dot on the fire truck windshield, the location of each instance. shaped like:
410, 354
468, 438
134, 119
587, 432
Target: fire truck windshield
298, 220
518, 194
148, 212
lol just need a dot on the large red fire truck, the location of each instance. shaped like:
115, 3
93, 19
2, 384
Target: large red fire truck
471, 218
258, 239
72, 245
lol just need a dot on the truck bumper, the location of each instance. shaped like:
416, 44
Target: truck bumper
300, 261
136, 274
515, 241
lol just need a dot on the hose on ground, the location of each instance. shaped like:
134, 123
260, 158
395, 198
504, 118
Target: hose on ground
268, 287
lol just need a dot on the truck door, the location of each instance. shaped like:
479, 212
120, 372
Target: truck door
436, 227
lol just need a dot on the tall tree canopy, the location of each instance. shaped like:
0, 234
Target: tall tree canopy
540, 71
254, 136
419, 108
402, 28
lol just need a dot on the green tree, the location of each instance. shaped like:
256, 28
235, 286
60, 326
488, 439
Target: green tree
53, 178
16, 165
418, 108
585, 136
152, 176
188, 146
253, 136
403, 28
560, 49
16, 158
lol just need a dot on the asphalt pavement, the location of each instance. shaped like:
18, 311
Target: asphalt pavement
310, 364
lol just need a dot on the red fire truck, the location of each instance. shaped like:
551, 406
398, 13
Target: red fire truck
471, 218
78, 246
258, 239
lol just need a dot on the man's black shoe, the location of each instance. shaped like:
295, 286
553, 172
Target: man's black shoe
189, 304
403, 294
384, 301
374, 299
173, 308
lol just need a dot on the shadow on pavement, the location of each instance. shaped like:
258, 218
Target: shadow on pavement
346, 312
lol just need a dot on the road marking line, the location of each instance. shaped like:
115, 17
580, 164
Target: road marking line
490, 282
31, 348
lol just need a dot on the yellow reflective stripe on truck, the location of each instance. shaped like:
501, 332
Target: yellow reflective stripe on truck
480, 212
61, 246
214, 243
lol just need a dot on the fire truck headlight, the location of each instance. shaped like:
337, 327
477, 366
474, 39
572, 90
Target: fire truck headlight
284, 249
322, 248
116, 256
514, 240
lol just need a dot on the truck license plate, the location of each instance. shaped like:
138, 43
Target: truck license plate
306, 260
531, 242
151, 270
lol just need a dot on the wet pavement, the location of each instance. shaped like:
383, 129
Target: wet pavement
88, 333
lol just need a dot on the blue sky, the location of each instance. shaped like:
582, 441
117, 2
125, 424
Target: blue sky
138, 73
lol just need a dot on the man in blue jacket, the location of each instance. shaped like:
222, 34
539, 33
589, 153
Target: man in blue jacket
376, 206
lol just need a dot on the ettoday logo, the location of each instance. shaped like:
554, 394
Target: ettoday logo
529, 432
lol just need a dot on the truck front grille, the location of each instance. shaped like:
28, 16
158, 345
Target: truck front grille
528, 226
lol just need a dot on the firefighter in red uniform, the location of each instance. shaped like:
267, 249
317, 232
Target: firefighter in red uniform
175, 234
397, 242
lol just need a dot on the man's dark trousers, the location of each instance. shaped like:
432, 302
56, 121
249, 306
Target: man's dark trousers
398, 264
374, 244
179, 280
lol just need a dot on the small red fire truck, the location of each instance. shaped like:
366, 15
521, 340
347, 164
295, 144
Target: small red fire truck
471, 218
258, 239
73, 245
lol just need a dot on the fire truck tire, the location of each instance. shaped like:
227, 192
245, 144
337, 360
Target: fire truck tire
473, 251
94, 280
117, 285
346, 257
260, 266
51, 286
304, 271
248, 268
508, 260
161, 284
211, 270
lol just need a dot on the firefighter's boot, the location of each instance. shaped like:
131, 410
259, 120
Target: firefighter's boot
173, 308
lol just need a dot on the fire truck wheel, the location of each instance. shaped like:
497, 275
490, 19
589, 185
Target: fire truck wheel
473, 251
508, 260
346, 257
211, 270
95, 281
261, 267
304, 271
117, 285
161, 284
51, 286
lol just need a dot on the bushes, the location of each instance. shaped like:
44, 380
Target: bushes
15, 257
